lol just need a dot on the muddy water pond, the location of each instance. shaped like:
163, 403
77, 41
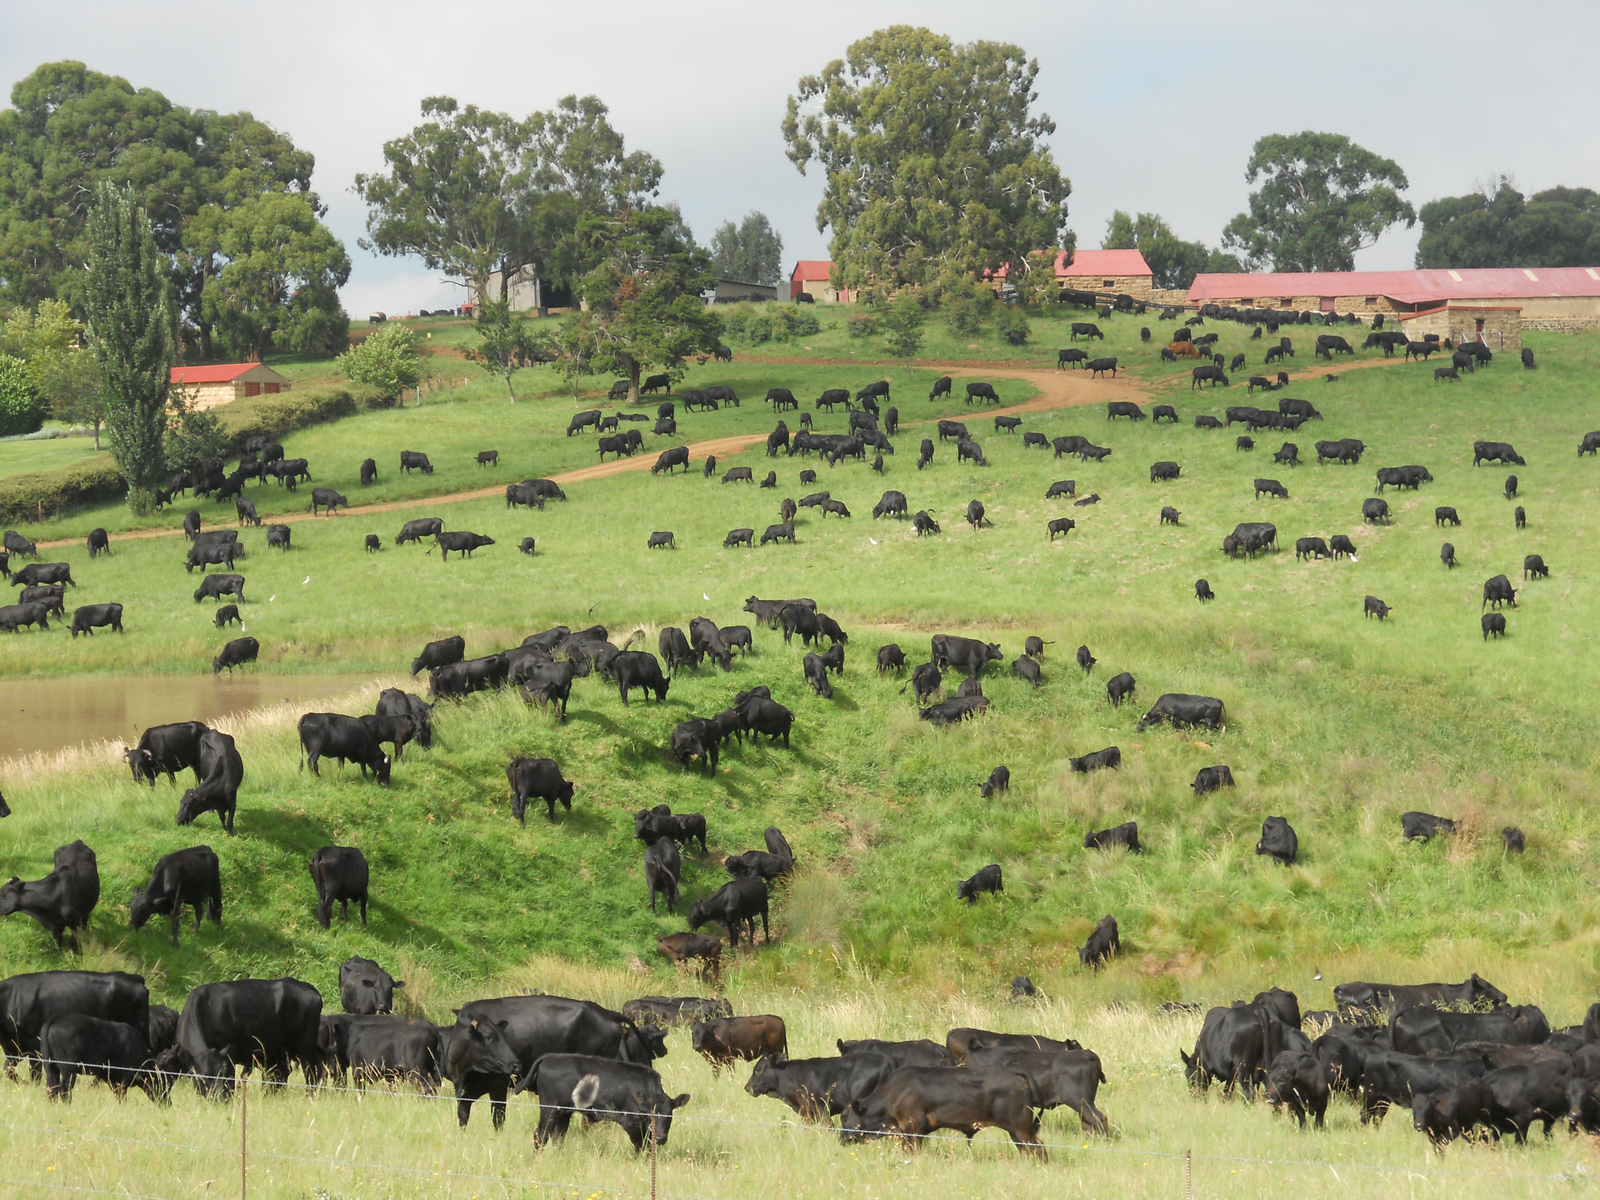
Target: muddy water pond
53, 714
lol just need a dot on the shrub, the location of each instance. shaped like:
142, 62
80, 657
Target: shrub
963, 316
385, 360
759, 329
795, 320
274, 416
735, 319
860, 324
22, 409
93, 481
1012, 325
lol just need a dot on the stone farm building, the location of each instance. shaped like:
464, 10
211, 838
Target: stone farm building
207, 386
1496, 304
1118, 272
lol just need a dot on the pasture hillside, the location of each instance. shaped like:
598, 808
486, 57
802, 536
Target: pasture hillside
1337, 722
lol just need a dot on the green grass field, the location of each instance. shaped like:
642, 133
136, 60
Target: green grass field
1337, 722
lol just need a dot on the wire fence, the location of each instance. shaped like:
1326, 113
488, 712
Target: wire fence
246, 1153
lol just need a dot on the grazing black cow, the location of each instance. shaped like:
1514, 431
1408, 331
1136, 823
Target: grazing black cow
16, 544
1375, 510
28, 1003
1494, 623
1212, 374
986, 880
415, 460
40, 573
1102, 944
369, 472
1512, 839
166, 748
99, 543
1124, 408
1373, 607
1176, 708
817, 676
981, 391
1341, 544
1210, 779
1237, 1046
891, 658
1498, 591
471, 675
270, 1022
1278, 839
678, 456
1109, 758
1296, 1079
1421, 826
1271, 487
1533, 564
1125, 835
1085, 659
732, 906
184, 877
999, 781
969, 653
115, 1052
1288, 454
1062, 487
89, 617
333, 735
1056, 1078
666, 427
221, 771
327, 498
235, 654
1310, 547
1206, 421
63, 900
949, 712
1119, 688
1098, 366
600, 1088
440, 654
975, 514
537, 779
207, 554
1202, 590
923, 522
639, 669
216, 586
340, 875
1087, 331
1025, 668
415, 531
461, 541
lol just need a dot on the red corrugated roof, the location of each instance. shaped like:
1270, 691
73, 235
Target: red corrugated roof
218, 373
1408, 287
1104, 263
807, 269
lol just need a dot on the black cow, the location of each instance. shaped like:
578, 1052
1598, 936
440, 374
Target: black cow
1124, 408
184, 877
89, 617
1494, 623
1498, 591
1310, 547
220, 770
327, 498
638, 669
537, 779
891, 658
698, 738
16, 544
216, 586
1424, 1029
732, 906
1209, 374
415, 531
1278, 839
1098, 366
440, 654
207, 554
63, 900
1419, 825
1373, 607
235, 654
369, 472
989, 879
1102, 944
1271, 487
1202, 590
1533, 564
333, 735
271, 1022
662, 868
1209, 779
1110, 757
28, 1003
678, 456
820, 1088
1125, 835
366, 988
37, 573
166, 748
1177, 709
599, 1089
340, 874
1163, 471
1205, 421
1025, 668
1237, 1046
1119, 688
969, 653
461, 541
1056, 1078
1375, 510
112, 1051
1062, 487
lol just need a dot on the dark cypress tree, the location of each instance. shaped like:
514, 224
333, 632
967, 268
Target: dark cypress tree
129, 316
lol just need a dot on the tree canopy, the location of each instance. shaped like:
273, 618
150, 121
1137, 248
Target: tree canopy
473, 193
1497, 227
932, 157
1322, 198
1173, 262
751, 251
71, 129
643, 302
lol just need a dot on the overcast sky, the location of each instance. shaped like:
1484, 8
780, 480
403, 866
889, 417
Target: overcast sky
1156, 106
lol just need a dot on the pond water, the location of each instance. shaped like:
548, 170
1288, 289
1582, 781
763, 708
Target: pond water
52, 714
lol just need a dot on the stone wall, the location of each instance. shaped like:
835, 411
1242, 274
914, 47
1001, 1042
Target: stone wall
1502, 327
1563, 324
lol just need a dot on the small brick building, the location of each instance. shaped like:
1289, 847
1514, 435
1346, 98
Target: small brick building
1116, 272
814, 276
208, 386
1497, 326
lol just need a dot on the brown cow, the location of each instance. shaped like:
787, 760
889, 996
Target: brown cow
1184, 348
681, 947
723, 1041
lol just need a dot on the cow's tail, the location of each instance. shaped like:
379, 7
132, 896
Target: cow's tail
530, 1078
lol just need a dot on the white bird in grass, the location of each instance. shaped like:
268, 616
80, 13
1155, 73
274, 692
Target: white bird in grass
271, 598
703, 596
874, 541
305, 581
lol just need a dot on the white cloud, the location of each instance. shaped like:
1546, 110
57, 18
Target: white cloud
1156, 108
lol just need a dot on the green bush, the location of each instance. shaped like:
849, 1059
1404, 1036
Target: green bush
860, 324
735, 319
92, 481
802, 321
963, 316
274, 416
1011, 325
759, 329
22, 409
385, 360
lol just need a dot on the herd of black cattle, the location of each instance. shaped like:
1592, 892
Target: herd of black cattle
1457, 1055
1501, 1069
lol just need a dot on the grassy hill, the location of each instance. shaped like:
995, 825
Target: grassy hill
1336, 722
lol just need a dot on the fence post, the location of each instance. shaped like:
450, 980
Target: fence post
652, 1155
244, 1121
1188, 1175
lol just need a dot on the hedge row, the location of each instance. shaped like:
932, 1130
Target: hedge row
273, 416
96, 480
92, 481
